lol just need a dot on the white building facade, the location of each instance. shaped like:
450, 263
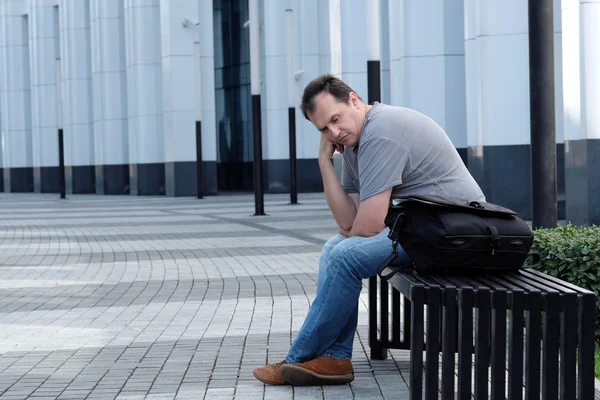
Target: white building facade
127, 81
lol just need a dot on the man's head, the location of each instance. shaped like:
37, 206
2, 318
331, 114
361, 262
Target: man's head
334, 109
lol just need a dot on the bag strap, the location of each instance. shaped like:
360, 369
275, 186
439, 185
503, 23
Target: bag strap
537, 259
396, 268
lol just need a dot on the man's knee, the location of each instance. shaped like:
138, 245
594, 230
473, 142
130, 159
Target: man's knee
348, 258
331, 244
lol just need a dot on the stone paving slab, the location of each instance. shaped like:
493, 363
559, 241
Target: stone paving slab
122, 297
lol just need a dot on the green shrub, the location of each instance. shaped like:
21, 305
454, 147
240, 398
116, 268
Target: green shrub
572, 253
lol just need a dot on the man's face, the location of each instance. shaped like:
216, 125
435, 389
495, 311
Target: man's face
339, 122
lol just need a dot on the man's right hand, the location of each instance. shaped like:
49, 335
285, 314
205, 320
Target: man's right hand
327, 148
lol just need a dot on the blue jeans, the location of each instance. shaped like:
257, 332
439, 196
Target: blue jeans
330, 325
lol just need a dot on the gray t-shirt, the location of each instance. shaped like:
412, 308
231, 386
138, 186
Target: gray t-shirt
403, 149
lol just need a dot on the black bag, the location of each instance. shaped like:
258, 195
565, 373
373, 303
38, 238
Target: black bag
446, 234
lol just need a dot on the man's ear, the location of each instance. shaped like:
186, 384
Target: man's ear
353, 99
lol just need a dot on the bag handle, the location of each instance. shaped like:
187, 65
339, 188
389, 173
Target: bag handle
396, 268
537, 259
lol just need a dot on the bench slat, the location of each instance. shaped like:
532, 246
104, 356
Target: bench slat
568, 348
450, 316
550, 339
515, 346
433, 343
465, 343
587, 322
417, 301
532, 347
482, 343
499, 345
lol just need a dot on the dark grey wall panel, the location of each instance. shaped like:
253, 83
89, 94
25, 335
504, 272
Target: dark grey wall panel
115, 179
308, 176
464, 154
83, 179
504, 174
180, 178
45, 179
582, 180
594, 179
150, 179
18, 180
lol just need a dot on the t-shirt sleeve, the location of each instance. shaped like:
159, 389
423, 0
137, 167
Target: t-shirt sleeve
381, 165
349, 181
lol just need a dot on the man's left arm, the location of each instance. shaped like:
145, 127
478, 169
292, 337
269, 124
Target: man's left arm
371, 215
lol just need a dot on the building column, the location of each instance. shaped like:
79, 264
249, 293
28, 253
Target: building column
274, 107
109, 84
559, 112
183, 28
312, 57
581, 66
77, 96
427, 63
498, 115
499, 137
145, 98
385, 51
208, 111
178, 34
354, 45
15, 98
44, 49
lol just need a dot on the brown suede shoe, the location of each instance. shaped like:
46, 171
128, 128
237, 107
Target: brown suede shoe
319, 371
270, 374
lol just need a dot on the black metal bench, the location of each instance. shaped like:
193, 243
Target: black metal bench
557, 348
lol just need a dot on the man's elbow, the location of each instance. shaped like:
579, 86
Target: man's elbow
345, 227
366, 231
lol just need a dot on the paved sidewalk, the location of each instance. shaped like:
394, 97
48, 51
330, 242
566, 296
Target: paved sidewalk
106, 297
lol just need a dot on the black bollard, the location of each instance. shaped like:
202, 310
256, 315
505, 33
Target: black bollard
293, 182
258, 174
199, 170
373, 81
61, 164
542, 120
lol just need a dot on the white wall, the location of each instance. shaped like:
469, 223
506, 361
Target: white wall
178, 77
589, 12
76, 82
109, 79
43, 46
385, 51
15, 94
144, 81
571, 79
472, 77
354, 45
274, 107
502, 56
207, 77
558, 73
312, 42
427, 61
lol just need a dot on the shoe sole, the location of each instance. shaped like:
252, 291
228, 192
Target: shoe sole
298, 376
269, 382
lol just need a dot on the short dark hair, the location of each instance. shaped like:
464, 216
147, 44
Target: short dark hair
324, 83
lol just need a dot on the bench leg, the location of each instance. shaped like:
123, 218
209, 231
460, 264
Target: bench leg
378, 353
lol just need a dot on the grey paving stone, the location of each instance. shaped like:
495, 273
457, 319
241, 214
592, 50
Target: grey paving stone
163, 298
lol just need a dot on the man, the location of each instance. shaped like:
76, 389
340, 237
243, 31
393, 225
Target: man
386, 150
